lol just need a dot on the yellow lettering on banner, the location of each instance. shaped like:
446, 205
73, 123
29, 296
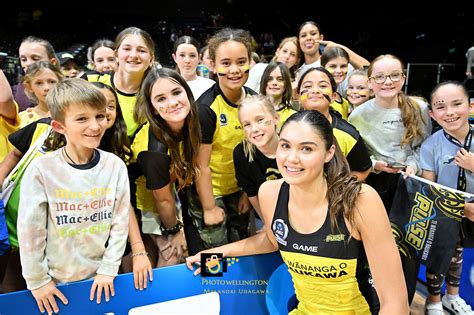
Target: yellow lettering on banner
419, 222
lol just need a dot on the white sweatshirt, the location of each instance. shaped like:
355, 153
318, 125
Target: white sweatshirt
67, 215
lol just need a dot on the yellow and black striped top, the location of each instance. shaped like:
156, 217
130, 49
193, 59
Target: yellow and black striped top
221, 127
126, 101
328, 267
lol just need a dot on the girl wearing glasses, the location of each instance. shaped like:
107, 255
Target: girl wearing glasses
393, 126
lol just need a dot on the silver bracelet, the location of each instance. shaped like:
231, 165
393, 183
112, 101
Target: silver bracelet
140, 254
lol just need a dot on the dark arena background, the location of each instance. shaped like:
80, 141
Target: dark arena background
431, 41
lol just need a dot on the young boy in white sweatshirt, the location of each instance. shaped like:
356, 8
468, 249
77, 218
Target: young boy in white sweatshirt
74, 211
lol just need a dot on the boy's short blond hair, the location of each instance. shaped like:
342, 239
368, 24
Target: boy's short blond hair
73, 91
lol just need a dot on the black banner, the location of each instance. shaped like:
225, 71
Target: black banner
425, 221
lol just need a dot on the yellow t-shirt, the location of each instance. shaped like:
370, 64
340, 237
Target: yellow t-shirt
220, 127
22, 140
149, 170
6, 128
351, 144
126, 101
284, 113
28, 116
342, 107
144, 197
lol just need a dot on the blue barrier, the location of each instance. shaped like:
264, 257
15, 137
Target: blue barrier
281, 296
242, 287
253, 284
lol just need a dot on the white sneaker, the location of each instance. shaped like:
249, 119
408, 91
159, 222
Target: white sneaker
433, 308
456, 306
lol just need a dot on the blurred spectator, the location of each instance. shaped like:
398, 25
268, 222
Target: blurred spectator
102, 56
206, 61
31, 49
71, 67
470, 62
268, 44
254, 60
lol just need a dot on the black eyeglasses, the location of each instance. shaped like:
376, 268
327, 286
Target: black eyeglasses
381, 77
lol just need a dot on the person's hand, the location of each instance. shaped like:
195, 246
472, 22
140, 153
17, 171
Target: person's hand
177, 243
382, 166
244, 205
469, 211
102, 283
294, 90
44, 297
409, 171
142, 270
194, 260
465, 159
327, 44
214, 216
468, 74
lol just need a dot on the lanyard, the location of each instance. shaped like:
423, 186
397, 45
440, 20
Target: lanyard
467, 147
